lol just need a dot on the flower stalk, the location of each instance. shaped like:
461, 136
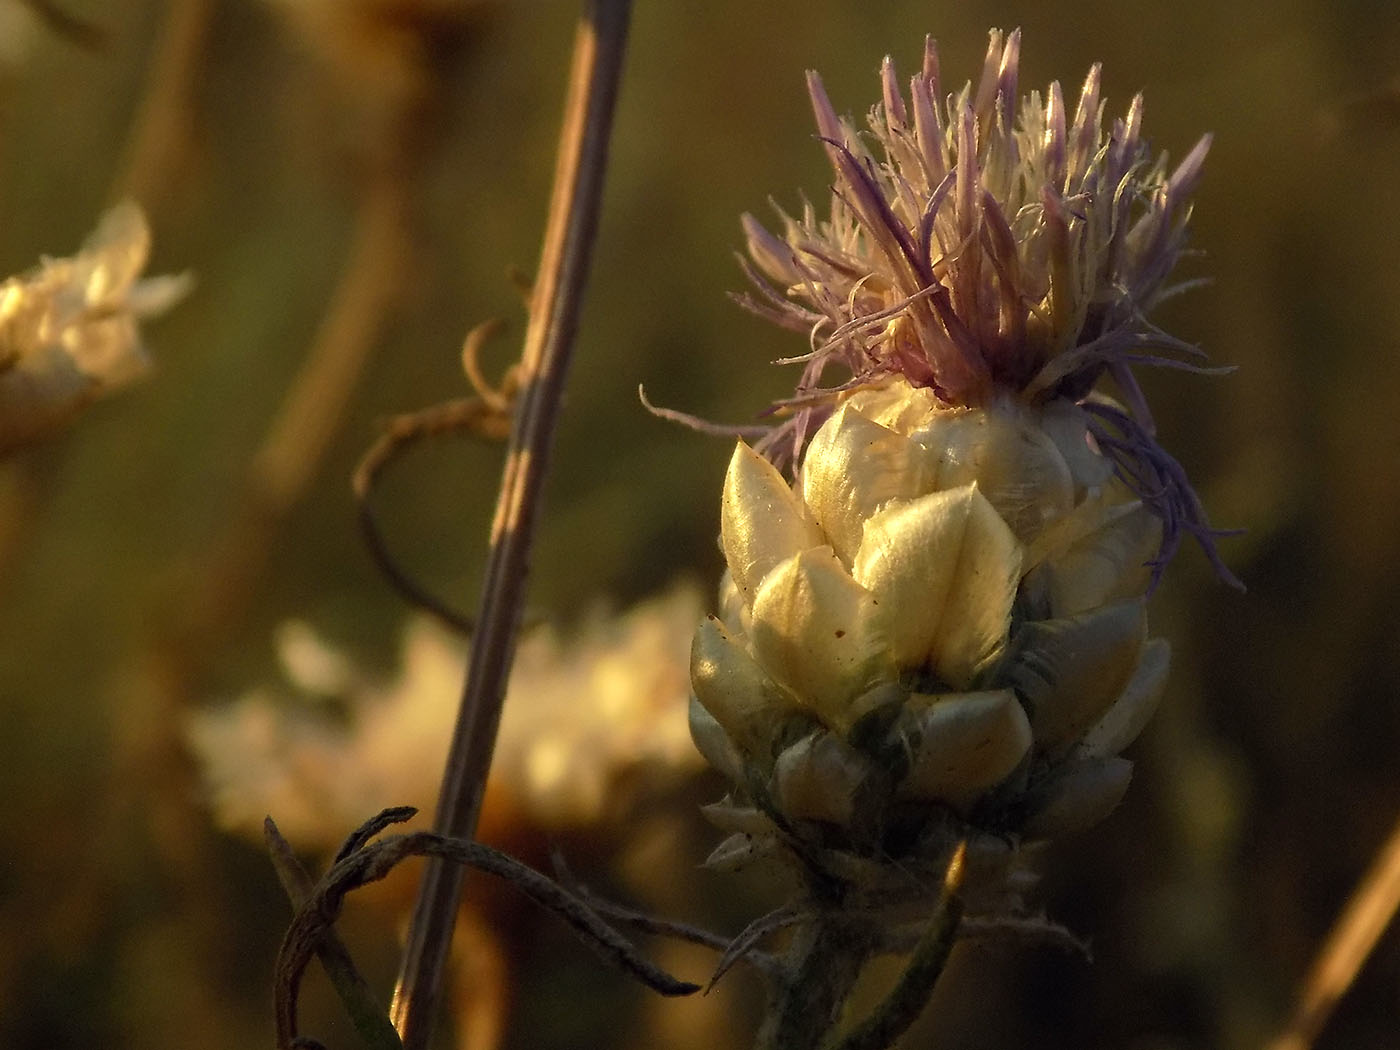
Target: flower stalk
827, 955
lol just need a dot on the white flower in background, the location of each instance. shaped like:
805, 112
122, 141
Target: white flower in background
938, 632
69, 330
581, 714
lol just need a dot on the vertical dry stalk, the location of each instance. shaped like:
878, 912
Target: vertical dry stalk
573, 218
160, 137
1351, 941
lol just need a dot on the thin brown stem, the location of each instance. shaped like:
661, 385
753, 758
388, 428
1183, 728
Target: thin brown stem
173, 663
366, 1014
69, 26
558, 293
307, 421
1351, 941
158, 144
361, 862
313, 408
469, 415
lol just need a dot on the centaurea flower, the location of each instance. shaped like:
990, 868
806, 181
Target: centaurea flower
938, 634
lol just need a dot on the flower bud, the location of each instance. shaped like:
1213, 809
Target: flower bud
900, 643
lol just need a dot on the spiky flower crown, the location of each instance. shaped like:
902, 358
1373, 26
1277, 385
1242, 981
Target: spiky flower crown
990, 249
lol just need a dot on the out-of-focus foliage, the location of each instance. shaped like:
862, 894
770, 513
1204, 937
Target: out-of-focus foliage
146, 558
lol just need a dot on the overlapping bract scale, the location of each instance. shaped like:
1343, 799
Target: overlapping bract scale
1019, 469
949, 565
762, 522
963, 744
1070, 671
854, 468
734, 688
820, 633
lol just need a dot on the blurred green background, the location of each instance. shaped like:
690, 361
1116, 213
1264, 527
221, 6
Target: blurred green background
139, 573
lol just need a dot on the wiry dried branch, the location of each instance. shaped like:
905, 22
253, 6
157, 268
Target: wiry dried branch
361, 862
366, 1014
764, 963
743, 946
1020, 928
486, 415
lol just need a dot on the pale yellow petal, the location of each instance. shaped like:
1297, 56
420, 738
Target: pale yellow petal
727, 816
821, 634
897, 405
1109, 563
1017, 467
115, 253
733, 610
818, 778
714, 744
1096, 512
853, 468
1067, 426
946, 566
761, 520
742, 852
749, 705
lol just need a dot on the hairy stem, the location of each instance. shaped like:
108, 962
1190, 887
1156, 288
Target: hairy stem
828, 953
906, 1001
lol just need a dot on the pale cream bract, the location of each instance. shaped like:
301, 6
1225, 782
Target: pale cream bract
990, 249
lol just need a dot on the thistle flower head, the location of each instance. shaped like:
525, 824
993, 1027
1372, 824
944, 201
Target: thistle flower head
937, 631
987, 248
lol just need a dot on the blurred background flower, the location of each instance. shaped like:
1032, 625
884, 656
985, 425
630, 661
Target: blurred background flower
594, 731
1261, 789
582, 718
68, 328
